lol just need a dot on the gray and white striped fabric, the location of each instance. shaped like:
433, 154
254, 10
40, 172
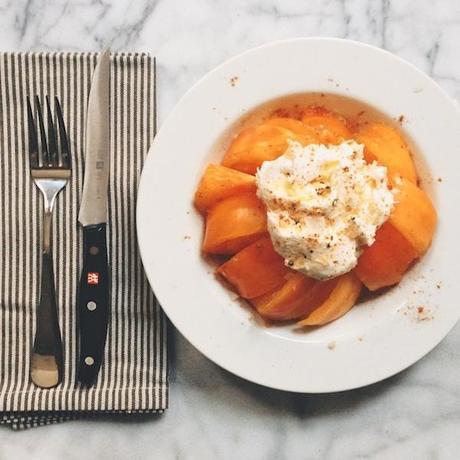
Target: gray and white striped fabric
133, 377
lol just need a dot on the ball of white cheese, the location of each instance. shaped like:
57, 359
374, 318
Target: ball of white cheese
324, 203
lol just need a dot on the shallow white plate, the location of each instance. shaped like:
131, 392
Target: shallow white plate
376, 339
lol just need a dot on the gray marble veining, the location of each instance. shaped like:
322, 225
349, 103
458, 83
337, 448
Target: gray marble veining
213, 414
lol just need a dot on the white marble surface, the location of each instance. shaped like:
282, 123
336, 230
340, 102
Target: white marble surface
214, 414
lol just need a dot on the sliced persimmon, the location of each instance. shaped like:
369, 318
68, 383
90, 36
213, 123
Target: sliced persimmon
218, 183
234, 223
341, 299
292, 124
386, 146
329, 128
254, 145
255, 270
297, 297
386, 260
300, 132
264, 142
413, 215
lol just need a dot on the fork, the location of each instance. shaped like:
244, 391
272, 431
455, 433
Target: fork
50, 168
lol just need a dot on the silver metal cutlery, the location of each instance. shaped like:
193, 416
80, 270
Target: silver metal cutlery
50, 168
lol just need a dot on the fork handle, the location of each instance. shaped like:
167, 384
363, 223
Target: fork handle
46, 363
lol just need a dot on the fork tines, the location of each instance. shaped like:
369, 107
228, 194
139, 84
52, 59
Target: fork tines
47, 150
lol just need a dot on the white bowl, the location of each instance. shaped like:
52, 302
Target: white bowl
374, 340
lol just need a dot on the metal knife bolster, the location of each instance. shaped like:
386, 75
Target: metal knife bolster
93, 303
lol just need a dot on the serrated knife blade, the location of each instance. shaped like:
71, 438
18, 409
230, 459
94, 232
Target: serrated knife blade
93, 207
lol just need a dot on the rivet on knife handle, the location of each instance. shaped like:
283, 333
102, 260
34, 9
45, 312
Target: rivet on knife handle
93, 303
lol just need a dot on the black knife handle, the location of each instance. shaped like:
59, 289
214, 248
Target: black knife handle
93, 303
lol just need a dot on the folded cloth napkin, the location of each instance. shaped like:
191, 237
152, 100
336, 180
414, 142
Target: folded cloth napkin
133, 376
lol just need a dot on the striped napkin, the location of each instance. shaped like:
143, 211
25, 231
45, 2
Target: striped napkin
133, 376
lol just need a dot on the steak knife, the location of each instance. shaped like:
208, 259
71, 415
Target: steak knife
93, 301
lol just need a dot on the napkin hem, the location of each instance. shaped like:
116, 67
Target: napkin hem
95, 400
25, 420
